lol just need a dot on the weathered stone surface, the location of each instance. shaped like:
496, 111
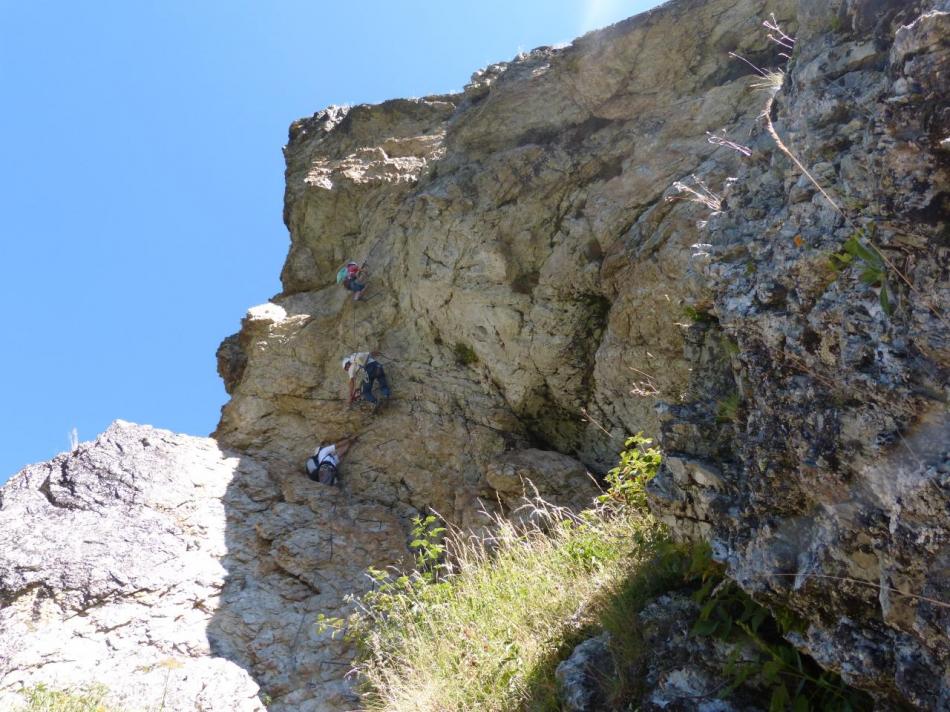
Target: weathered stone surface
515, 480
677, 670
112, 565
523, 220
581, 678
826, 489
684, 672
526, 222
180, 576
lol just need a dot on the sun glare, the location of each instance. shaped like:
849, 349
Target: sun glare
599, 13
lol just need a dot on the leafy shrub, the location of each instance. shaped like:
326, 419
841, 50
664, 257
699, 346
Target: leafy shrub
426, 543
873, 266
760, 652
638, 465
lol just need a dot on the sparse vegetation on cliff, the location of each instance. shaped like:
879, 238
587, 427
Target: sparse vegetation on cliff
44, 699
486, 629
464, 354
490, 635
483, 622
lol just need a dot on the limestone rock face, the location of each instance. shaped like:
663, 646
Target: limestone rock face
111, 568
605, 238
817, 461
515, 479
179, 576
581, 677
522, 224
685, 672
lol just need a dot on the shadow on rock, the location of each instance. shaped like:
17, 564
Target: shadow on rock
294, 550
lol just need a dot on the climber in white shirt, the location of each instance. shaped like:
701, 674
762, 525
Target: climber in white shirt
323, 466
364, 370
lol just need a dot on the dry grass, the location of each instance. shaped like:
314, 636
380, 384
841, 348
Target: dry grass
489, 634
43, 699
699, 193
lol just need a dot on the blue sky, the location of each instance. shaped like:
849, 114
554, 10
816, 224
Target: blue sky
142, 179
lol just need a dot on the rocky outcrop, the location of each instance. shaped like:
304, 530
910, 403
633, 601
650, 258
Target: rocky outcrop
180, 577
605, 238
684, 671
527, 222
113, 564
581, 677
522, 223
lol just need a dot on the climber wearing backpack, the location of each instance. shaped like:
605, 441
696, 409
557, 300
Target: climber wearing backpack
322, 467
349, 276
364, 370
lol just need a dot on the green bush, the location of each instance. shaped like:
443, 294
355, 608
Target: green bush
760, 650
858, 250
638, 465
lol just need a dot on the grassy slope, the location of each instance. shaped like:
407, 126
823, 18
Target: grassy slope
488, 634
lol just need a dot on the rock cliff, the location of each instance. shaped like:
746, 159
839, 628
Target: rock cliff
824, 482
522, 222
586, 242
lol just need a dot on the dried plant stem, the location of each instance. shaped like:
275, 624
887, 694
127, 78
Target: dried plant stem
889, 589
803, 367
780, 38
590, 419
728, 143
770, 127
